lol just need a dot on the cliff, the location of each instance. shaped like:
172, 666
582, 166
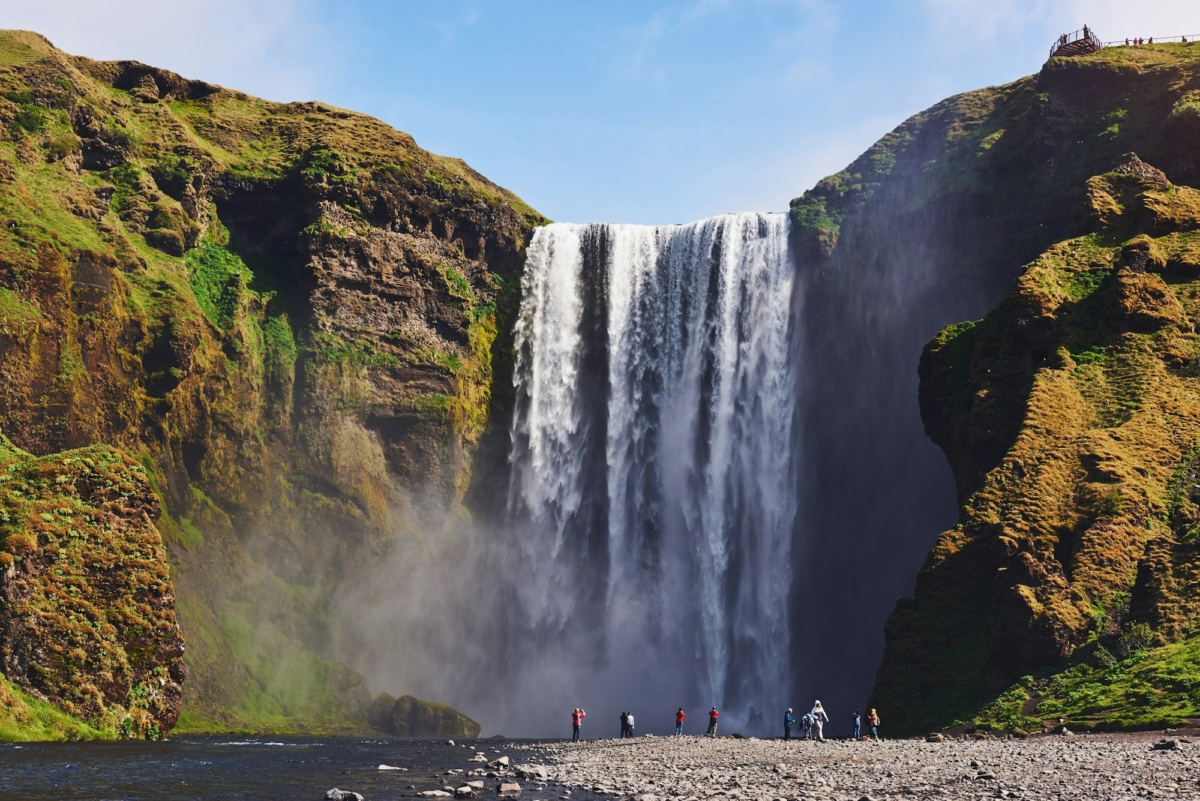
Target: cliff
1068, 414
289, 316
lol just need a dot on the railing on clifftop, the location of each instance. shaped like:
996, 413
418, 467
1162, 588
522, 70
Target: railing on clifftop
1149, 40
1076, 43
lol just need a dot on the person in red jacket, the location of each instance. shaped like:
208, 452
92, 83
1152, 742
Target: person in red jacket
576, 722
679, 716
713, 714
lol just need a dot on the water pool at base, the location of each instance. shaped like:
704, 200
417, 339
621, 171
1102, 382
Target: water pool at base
242, 768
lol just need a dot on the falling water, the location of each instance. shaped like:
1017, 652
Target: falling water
653, 490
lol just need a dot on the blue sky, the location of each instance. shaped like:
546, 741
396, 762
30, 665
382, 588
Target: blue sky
609, 111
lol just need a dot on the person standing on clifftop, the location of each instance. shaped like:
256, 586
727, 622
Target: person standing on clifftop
624, 725
873, 723
577, 723
819, 719
787, 724
857, 726
679, 716
628, 724
713, 714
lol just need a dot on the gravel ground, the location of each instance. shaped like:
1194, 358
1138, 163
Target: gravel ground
1092, 767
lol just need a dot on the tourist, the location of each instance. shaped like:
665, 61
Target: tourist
1151, 40
819, 719
624, 725
787, 724
857, 726
679, 716
1127, 41
713, 714
576, 723
628, 724
806, 725
873, 723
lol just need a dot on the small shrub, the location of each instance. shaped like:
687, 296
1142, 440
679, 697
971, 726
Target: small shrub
1105, 657
1136, 637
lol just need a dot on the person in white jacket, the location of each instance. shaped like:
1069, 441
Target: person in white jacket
819, 719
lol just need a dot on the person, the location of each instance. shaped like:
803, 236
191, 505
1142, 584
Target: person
1127, 41
576, 723
819, 719
787, 724
624, 725
806, 725
629, 724
857, 726
1151, 40
713, 714
873, 723
679, 716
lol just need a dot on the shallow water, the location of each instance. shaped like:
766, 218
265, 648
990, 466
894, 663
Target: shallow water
242, 768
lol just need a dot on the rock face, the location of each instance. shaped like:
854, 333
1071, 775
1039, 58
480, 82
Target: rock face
290, 315
930, 227
411, 717
1071, 414
87, 617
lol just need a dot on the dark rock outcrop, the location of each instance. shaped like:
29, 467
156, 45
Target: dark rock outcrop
411, 717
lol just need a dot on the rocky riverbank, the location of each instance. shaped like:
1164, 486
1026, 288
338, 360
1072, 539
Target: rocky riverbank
1111, 766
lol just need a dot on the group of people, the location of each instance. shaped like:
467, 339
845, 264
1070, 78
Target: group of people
812, 723
1139, 41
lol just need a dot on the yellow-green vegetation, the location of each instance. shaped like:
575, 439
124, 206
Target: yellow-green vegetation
289, 315
1071, 418
1132, 686
24, 718
87, 590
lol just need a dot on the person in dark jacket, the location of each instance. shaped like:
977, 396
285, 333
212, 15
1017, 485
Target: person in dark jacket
787, 724
624, 725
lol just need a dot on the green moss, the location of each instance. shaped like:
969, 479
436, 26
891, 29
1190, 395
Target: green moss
219, 280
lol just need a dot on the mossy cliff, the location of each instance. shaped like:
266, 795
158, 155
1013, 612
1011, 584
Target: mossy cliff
289, 316
1070, 414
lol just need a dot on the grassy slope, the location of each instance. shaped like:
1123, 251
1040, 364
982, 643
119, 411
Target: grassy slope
169, 273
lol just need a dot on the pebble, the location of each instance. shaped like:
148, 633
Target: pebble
1095, 767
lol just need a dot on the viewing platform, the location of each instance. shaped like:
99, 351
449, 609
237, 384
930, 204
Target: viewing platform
1077, 43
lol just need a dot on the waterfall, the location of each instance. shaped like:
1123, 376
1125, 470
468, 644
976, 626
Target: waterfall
653, 492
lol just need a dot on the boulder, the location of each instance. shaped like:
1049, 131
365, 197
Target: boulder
466, 791
342, 795
532, 772
407, 716
935, 737
508, 789
434, 794
1165, 745
502, 762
